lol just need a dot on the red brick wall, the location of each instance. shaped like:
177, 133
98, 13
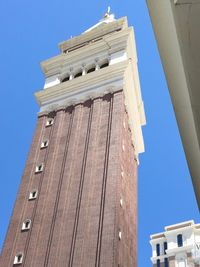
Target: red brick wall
77, 216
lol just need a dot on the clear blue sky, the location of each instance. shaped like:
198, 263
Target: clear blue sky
30, 32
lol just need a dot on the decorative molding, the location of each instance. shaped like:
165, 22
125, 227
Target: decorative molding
83, 87
183, 2
87, 54
97, 32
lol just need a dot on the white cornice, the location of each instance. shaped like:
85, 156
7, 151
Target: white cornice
183, 2
102, 30
82, 84
157, 240
175, 251
179, 230
108, 45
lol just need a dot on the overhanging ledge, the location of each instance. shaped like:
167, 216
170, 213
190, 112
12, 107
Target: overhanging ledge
176, 26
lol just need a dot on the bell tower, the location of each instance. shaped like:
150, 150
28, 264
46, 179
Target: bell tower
77, 202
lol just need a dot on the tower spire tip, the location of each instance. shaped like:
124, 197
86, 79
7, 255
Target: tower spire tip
107, 14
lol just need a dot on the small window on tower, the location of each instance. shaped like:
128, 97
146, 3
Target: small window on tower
66, 79
33, 194
78, 74
104, 65
120, 235
18, 259
26, 225
39, 168
93, 68
124, 124
49, 122
44, 144
123, 147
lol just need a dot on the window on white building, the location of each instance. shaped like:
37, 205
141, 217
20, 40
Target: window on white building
165, 247
166, 263
158, 249
180, 240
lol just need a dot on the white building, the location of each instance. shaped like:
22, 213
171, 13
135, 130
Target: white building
177, 246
